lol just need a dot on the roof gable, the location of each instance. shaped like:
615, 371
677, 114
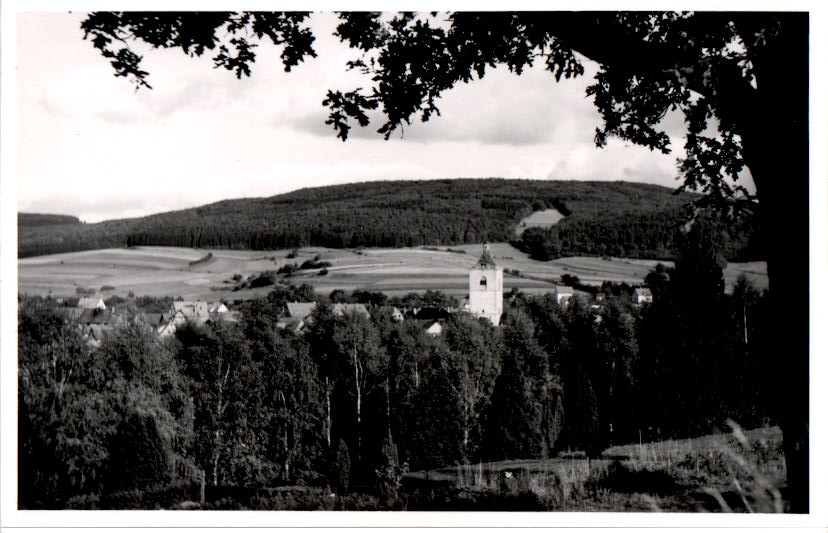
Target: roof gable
300, 309
91, 302
341, 309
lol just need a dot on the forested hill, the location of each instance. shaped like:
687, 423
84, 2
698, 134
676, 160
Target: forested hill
405, 213
40, 219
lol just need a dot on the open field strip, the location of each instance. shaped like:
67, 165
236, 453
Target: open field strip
539, 219
158, 271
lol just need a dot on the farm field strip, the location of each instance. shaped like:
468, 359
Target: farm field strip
167, 271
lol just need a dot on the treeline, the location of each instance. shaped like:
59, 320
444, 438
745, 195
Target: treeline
354, 403
647, 235
385, 214
40, 219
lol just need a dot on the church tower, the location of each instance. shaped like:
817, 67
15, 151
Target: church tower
486, 288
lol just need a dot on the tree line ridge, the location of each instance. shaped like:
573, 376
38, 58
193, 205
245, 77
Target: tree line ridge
601, 218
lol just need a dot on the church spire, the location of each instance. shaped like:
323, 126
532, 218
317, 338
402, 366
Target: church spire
486, 259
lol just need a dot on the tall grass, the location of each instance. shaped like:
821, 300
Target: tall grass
742, 471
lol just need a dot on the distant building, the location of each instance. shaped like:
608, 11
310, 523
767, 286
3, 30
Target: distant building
193, 311
94, 316
435, 330
218, 308
430, 313
642, 295
486, 288
298, 316
300, 309
91, 302
563, 294
341, 309
397, 315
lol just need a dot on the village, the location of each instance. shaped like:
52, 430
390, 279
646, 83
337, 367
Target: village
485, 300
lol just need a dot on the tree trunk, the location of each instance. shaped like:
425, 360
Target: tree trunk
358, 390
388, 406
773, 126
219, 411
287, 454
328, 411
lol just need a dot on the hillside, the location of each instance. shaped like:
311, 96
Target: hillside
404, 213
41, 219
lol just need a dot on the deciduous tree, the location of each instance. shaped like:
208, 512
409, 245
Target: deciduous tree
740, 79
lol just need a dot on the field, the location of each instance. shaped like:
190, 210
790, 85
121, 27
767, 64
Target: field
191, 274
539, 219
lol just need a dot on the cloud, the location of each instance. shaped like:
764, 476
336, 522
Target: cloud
500, 109
91, 146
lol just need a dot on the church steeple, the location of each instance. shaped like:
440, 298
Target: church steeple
486, 288
486, 260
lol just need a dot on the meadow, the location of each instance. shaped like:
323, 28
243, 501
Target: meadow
191, 274
740, 471
539, 219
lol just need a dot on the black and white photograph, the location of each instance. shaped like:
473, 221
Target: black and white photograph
521, 264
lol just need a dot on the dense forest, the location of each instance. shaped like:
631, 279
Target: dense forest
602, 218
354, 403
29, 220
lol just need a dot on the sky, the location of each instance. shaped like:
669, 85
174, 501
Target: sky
92, 146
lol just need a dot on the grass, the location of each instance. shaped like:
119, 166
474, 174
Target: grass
540, 219
742, 471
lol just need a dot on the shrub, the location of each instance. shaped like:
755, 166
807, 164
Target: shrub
265, 279
315, 263
288, 269
207, 258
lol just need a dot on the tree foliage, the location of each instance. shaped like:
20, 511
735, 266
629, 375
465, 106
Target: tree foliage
739, 79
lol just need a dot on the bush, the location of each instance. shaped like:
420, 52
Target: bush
315, 263
265, 279
288, 269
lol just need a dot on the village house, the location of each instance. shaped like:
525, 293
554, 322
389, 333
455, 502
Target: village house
397, 315
297, 317
341, 309
91, 302
642, 295
435, 329
563, 294
182, 312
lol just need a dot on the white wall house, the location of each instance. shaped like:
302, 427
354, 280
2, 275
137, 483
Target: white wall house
91, 302
563, 295
486, 288
642, 295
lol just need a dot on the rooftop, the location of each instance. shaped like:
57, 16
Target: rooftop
486, 260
